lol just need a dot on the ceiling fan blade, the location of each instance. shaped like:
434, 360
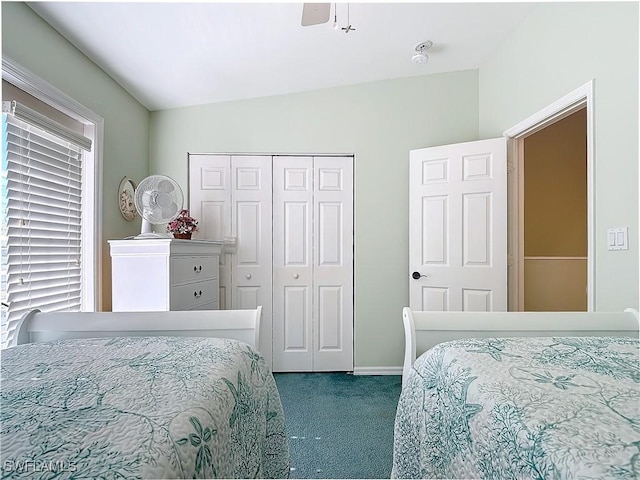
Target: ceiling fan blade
315, 13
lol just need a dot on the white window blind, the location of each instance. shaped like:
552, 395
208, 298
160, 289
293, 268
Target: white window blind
42, 229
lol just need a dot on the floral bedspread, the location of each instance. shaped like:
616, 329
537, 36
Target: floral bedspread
521, 408
140, 407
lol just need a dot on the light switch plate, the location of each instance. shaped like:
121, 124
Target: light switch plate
618, 238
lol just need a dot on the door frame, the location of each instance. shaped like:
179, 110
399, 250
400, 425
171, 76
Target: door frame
582, 97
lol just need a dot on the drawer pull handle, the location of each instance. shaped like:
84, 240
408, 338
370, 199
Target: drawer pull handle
248, 275
197, 269
197, 294
296, 276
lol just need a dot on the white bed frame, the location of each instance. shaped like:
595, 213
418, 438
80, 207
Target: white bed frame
36, 326
423, 330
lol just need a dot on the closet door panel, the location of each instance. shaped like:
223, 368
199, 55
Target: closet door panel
251, 213
210, 202
333, 263
330, 233
295, 323
248, 297
292, 263
330, 318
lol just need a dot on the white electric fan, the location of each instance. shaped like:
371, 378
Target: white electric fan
158, 199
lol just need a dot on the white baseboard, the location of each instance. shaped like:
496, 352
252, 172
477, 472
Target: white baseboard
377, 371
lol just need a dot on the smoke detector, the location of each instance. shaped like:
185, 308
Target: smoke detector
421, 56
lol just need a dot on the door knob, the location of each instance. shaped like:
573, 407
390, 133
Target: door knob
418, 275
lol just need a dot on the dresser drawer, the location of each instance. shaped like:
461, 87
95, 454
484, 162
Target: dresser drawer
193, 269
193, 295
208, 306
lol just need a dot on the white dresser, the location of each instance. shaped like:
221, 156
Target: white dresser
164, 274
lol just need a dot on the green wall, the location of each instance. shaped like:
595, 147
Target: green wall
31, 42
379, 122
558, 48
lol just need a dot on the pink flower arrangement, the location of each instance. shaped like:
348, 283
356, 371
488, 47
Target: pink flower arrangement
183, 223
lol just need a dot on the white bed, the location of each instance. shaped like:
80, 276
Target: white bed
242, 325
519, 395
424, 330
140, 395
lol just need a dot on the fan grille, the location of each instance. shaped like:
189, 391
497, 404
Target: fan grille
158, 199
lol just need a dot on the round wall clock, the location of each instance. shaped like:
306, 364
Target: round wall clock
127, 206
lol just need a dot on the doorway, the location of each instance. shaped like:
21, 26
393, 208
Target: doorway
555, 216
551, 207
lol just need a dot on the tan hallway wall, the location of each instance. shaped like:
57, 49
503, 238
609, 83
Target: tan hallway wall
555, 216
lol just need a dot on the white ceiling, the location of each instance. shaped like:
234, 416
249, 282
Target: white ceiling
177, 54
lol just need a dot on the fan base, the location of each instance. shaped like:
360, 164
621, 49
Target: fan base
151, 235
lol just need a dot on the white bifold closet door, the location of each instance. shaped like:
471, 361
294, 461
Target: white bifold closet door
293, 219
251, 270
312, 263
231, 197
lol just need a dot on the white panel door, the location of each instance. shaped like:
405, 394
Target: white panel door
251, 219
333, 263
293, 264
210, 202
458, 227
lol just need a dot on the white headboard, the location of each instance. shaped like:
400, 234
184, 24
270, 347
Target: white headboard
36, 326
423, 330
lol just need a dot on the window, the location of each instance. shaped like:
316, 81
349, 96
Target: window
50, 200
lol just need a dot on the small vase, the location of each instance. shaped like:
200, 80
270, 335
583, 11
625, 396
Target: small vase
182, 236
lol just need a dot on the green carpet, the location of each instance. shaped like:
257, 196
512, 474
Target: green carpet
339, 425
